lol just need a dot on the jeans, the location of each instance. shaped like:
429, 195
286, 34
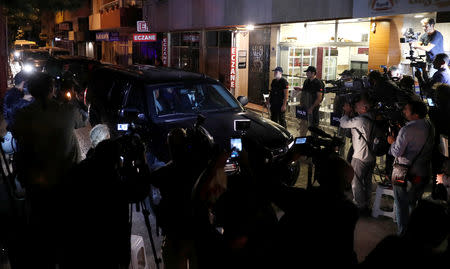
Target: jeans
362, 183
405, 199
277, 116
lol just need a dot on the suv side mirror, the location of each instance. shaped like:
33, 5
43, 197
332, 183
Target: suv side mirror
130, 114
243, 100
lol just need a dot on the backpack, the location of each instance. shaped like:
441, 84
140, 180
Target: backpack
377, 140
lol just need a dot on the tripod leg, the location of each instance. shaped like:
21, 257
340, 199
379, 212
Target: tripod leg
310, 171
146, 214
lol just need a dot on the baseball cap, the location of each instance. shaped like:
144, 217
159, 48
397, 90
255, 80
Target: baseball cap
311, 69
279, 69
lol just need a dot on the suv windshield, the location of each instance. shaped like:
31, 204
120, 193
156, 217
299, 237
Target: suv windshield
188, 99
37, 55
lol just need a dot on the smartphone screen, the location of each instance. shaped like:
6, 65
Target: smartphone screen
430, 102
300, 140
235, 143
122, 127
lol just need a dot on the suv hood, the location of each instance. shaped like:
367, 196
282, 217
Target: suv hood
263, 132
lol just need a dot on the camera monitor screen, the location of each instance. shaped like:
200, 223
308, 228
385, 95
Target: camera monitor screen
122, 127
300, 140
235, 143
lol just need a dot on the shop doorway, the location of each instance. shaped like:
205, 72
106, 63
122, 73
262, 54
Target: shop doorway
259, 64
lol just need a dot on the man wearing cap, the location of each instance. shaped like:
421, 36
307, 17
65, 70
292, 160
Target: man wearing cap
278, 97
310, 99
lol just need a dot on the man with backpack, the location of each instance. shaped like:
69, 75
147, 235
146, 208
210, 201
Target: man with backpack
363, 159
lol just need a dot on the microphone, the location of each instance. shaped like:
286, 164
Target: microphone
319, 132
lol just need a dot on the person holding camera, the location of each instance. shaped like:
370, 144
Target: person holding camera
47, 150
432, 41
311, 98
363, 160
97, 197
412, 149
278, 97
442, 75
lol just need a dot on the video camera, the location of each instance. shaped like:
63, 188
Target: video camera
315, 146
409, 36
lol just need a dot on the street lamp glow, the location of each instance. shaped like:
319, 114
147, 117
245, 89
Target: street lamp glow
250, 27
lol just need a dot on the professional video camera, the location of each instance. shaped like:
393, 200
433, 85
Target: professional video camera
317, 147
409, 36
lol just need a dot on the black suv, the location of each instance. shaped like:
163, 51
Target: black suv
165, 98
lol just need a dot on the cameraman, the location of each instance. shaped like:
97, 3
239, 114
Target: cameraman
363, 161
190, 151
432, 41
442, 75
97, 197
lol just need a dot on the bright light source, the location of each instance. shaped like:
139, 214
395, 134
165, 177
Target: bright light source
16, 54
57, 39
419, 16
250, 27
28, 68
68, 95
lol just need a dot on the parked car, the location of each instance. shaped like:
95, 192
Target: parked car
164, 99
55, 51
32, 59
76, 69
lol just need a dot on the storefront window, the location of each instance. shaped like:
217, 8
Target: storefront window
185, 51
218, 50
318, 44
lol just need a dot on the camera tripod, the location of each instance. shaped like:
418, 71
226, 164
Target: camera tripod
142, 207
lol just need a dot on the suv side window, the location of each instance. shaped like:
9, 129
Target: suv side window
134, 96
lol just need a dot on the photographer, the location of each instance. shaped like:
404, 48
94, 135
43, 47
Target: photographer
432, 41
305, 234
47, 150
442, 75
363, 160
190, 151
412, 148
97, 197
383, 90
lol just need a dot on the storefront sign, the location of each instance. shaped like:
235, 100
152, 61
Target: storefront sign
107, 36
65, 26
102, 36
242, 59
191, 37
233, 68
71, 35
165, 55
370, 8
142, 26
114, 36
144, 37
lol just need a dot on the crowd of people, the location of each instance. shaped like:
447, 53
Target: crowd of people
211, 219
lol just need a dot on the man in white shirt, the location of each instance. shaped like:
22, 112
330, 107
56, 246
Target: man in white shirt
363, 161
